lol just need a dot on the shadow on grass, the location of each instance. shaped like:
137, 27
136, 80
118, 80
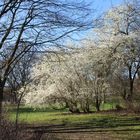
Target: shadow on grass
94, 125
36, 110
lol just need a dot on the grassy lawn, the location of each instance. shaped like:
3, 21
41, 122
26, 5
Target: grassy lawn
50, 116
113, 124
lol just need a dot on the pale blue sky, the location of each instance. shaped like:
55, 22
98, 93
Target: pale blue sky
99, 6
104, 5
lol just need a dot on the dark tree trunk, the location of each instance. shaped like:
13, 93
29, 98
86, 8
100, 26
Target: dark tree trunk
104, 98
97, 104
1, 101
129, 98
139, 74
131, 87
131, 82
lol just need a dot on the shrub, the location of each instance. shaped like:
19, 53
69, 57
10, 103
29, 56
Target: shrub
8, 131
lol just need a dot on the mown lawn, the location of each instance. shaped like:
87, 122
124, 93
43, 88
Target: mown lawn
50, 116
113, 124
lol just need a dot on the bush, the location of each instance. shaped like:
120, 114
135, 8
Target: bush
118, 107
8, 131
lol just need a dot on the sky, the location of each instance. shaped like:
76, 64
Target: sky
99, 6
104, 5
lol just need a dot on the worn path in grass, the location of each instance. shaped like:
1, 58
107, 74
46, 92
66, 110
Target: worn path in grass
112, 126
81, 132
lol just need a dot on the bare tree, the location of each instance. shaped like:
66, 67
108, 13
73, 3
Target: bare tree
39, 24
20, 74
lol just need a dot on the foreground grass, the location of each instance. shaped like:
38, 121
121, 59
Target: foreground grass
115, 125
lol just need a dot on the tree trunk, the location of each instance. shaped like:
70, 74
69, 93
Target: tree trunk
131, 82
17, 116
139, 74
129, 98
104, 98
1, 102
97, 104
87, 107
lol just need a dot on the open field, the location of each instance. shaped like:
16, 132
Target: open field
61, 124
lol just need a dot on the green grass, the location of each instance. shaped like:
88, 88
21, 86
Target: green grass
123, 126
50, 116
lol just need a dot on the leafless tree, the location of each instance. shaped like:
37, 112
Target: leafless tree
20, 76
34, 23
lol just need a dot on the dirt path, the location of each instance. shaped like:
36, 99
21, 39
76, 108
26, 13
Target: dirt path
76, 136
